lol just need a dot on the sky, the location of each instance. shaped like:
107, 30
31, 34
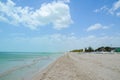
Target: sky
58, 25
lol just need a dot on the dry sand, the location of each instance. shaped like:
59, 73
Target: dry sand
75, 66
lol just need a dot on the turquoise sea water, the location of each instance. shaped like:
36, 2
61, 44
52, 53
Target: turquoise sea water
24, 65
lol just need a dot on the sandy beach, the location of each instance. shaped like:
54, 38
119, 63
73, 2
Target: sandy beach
76, 66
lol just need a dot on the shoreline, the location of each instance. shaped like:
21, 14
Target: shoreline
23, 66
40, 74
75, 66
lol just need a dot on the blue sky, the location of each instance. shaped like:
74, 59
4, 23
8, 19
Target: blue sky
58, 25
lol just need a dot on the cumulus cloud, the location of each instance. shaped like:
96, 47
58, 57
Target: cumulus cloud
114, 10
56, 13
97, 26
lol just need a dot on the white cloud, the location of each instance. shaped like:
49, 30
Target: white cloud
114, 10
104, 8
96, 26
67, 1
116, 5
57, 42
56, 13
3, 19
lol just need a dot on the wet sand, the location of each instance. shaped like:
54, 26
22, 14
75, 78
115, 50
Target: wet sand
76, 66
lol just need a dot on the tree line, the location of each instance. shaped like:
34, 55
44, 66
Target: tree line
90, 49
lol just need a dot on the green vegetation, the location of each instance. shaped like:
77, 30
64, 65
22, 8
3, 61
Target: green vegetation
89, 49
100, 49
77, 50
105, 49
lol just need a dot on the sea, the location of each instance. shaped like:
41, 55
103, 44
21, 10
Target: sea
24, 65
